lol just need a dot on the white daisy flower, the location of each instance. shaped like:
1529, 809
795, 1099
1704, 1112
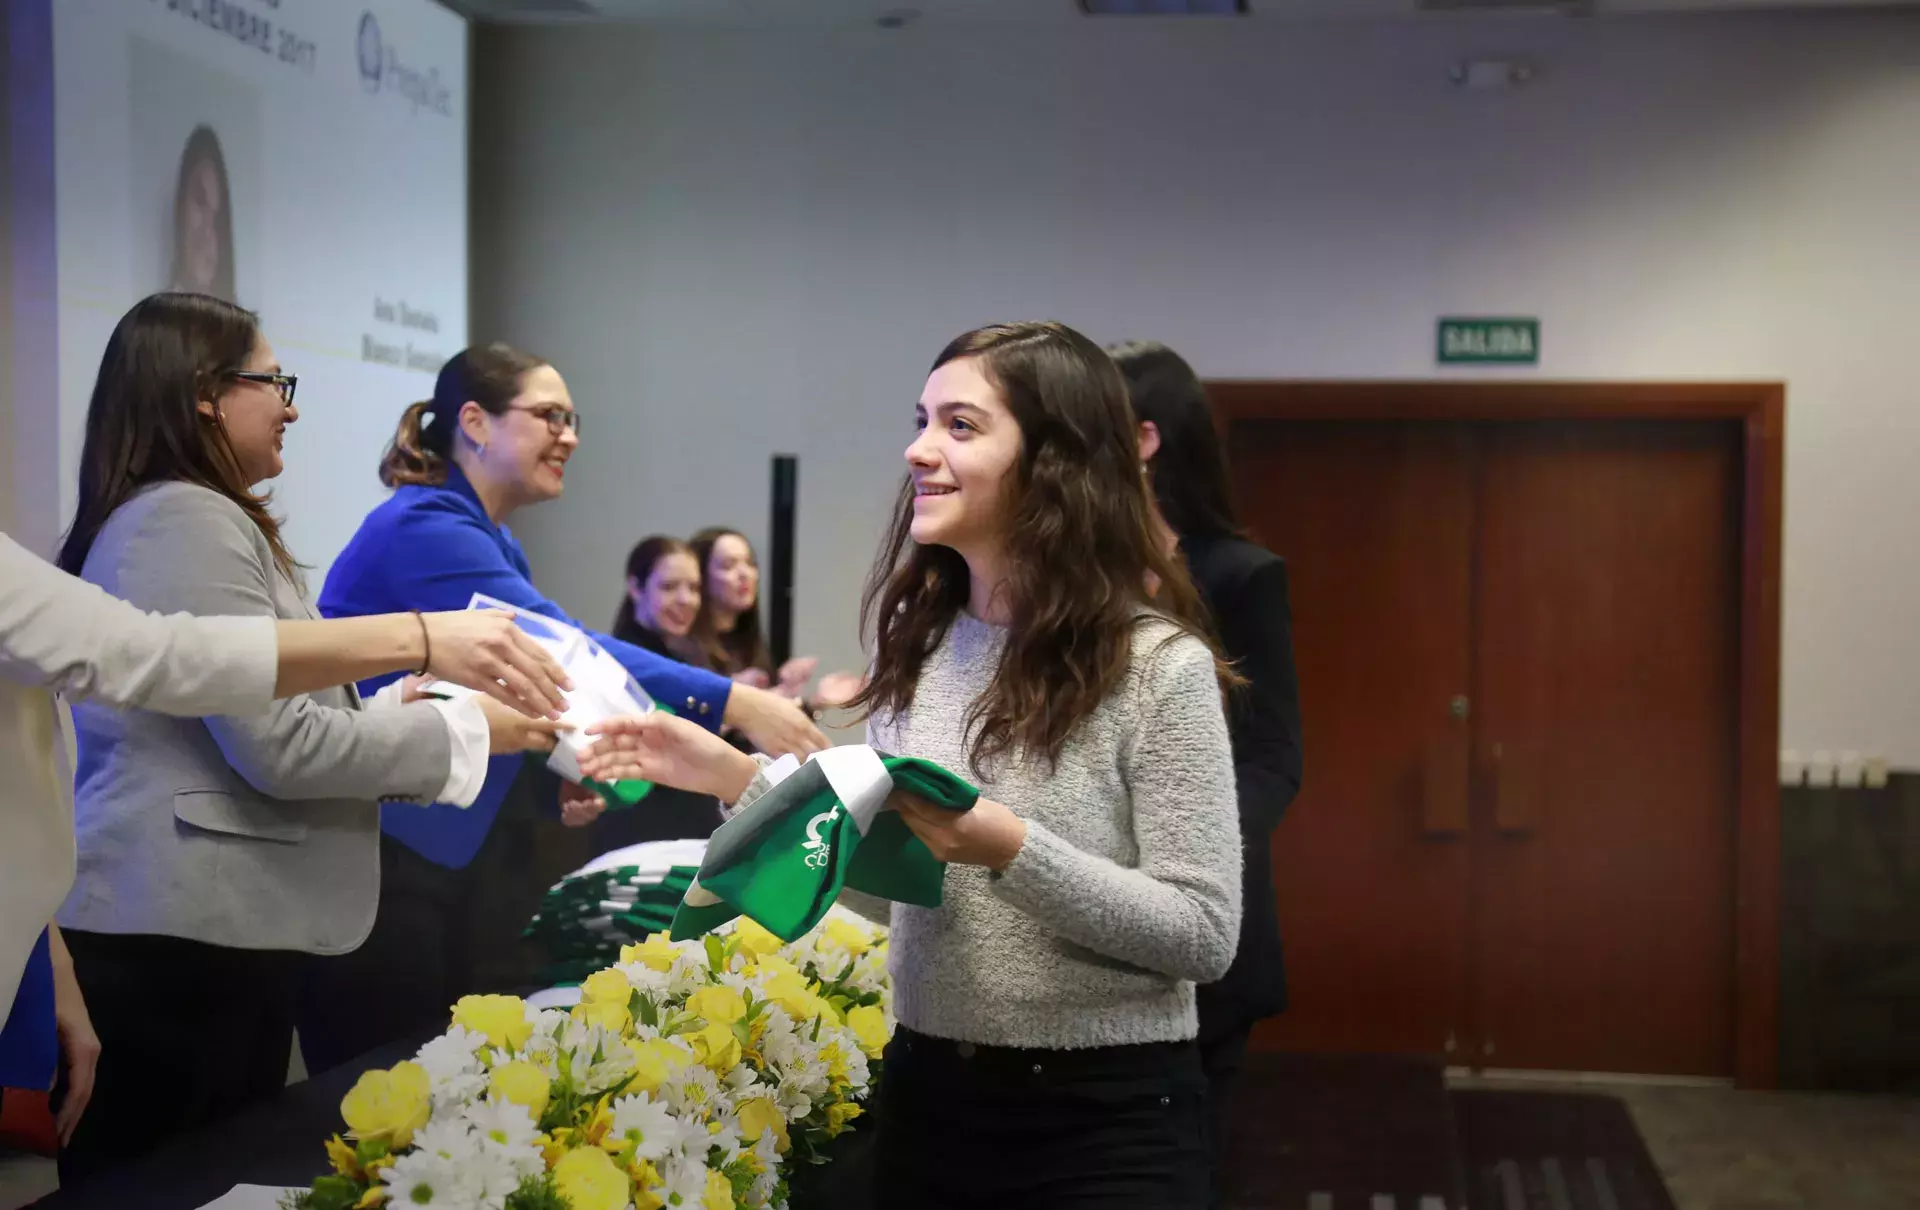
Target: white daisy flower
653, 1127
448, 1137
685, 1183
503, 1123
423, 1179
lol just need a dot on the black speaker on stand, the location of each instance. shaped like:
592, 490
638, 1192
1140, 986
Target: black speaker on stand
779, 590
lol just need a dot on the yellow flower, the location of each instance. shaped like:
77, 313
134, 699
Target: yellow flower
717, 1005
503, 1019
341, 1156
760, 1115
521, 1083
373, 1197
389, 1105
590, 1180
755, 940
658, 952
719, 1194
607, 987
850, 937
869, 1026
839, 1115
650, 1068
836, 1060
790, 990
610, 1016
716, 1047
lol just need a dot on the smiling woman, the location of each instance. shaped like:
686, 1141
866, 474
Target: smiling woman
496, 437
220, 850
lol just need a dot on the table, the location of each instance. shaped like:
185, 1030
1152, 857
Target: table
282, 1142
278, 1142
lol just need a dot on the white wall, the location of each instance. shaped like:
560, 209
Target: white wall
736, 243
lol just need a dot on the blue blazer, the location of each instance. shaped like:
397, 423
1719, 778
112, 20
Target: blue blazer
432, 548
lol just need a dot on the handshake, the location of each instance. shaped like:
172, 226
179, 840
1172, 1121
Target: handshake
609, 729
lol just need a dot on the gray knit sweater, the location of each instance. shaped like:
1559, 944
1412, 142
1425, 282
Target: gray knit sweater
1128, 888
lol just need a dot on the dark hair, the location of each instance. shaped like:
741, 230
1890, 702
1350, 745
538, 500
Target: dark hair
203, 146
1189, 472
640, 561
422, 447
144, 423
743, 647
1077, 500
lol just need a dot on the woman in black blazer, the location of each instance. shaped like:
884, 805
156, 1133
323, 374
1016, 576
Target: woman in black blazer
657, 612
1245, 589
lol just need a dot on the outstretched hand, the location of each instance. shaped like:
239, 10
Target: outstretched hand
776, 725
486, 650
668, 751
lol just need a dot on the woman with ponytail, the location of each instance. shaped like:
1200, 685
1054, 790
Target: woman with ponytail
495, 437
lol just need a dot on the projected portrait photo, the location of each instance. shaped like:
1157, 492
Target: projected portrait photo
195, 188
203, 219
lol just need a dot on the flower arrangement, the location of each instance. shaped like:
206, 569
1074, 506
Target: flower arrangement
691, 1075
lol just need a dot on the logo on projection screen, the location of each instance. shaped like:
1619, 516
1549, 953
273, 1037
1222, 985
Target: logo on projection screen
381, 70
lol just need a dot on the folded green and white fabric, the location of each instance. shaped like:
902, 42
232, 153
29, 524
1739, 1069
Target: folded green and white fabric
821, 827
617, 899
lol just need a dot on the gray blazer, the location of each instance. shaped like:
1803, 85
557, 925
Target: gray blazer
258, 831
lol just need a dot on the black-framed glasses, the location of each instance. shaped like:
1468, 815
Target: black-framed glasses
284, 383
558, 419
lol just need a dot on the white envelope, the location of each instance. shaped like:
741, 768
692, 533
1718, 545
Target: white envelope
602, 686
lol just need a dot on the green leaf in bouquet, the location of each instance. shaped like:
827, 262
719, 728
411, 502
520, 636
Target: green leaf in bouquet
642, 1009
716, 952
537, 1193
328, 1193
847, 974
743, 1031
369, 1150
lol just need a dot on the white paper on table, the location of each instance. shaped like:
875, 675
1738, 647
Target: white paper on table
602, 687
561, 998
249, 1197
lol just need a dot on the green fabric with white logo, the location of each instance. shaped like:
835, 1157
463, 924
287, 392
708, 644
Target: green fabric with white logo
783, 860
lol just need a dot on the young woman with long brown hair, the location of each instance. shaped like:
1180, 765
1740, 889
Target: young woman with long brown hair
728, 634
1244, 587
221, 852
1045, 1055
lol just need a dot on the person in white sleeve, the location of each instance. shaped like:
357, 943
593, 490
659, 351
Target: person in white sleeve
59, 634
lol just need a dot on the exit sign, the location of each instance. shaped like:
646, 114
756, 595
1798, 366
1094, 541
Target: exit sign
1489, 342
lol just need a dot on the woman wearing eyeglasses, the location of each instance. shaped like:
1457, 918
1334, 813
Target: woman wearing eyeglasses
216, 854
496, 437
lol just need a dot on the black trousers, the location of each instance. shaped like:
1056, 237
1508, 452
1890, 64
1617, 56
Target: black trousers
1222, 1055
1112, 1127
189, 1034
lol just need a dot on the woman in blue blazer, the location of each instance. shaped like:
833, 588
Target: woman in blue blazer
495, 437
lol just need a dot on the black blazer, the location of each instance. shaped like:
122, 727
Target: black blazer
1245, 589
666, 813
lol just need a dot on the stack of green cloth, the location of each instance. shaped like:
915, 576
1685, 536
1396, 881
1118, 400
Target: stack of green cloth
617, 899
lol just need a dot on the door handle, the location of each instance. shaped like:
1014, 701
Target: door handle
1516, 798
1443, 790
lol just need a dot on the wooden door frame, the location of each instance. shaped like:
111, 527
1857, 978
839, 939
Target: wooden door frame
1760, 409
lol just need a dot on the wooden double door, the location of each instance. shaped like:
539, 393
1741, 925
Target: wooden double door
1518, 646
